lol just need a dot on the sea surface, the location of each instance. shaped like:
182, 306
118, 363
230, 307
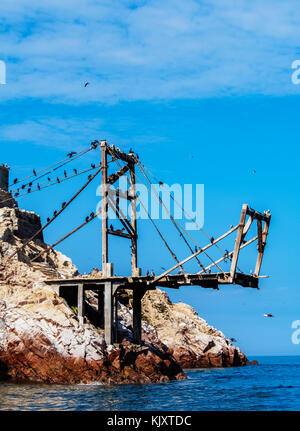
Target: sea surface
274, 384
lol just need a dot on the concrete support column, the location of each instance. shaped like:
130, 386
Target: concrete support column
108, 313
101, 305
137, 315
80, 303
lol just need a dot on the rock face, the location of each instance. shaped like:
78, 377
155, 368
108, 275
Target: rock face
193, 343
41, 339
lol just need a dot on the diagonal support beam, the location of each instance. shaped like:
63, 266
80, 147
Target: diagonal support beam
195, 254
238, 241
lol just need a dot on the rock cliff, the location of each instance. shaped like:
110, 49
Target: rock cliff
41, 339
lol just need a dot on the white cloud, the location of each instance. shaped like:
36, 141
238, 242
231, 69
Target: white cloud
147, 50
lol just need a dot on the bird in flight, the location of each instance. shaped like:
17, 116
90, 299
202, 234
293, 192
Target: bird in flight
86, 84
233, 340
269, 315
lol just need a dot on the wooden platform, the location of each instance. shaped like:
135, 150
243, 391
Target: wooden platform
170, 281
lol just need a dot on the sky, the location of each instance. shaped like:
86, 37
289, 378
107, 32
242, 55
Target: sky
202, 91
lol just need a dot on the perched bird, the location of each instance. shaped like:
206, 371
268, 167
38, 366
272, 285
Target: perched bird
30, 184
57, 179
87, 219
269, 315
17, 194
231, 226
93, 166
196, 249
34, 172
89, 177
63, 204
233, 340
55, 213
148, 273
92, 215
15, 180
65, 174
49, 179
212, 239
23, 186
86, 84
75, 170
160, 183
94, 145
29, 190
164, 269
48, 219
152, 273
39, 187
71, 154
111, 227
130, 151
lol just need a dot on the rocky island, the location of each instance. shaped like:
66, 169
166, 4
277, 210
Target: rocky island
41, 339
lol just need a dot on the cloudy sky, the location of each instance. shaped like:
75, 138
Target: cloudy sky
202, 90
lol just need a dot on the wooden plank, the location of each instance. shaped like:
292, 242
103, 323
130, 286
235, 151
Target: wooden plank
196, 254
262, 247
120, 234
80, 303
134, 262
238, 241
228, 255
104, 206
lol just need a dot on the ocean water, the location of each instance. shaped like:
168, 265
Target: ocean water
274, 384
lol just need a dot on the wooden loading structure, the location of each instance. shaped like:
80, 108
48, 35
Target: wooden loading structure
107, 284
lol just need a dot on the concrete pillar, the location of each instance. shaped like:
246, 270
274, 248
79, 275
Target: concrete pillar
108, 313
101, 305
137, 315
80, 303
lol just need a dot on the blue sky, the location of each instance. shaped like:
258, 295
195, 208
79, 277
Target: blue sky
202, 91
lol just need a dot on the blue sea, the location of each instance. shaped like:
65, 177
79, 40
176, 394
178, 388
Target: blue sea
274, 384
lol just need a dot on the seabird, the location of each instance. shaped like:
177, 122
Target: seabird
75, 170
23, 186
86, 84
55, 213
89, 177
17, 194
269, 315
111, 227
57, 179
39, 187
233, 340
93, 166
34, 172
29, 190
15, 180
65, 174
49, 179
63, 204
87, 219
48, 219
71, 154
212, 239
92, 215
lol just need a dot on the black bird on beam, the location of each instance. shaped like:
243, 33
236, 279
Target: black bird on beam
212, 239
87, 219
55, 213
34, 172
29, 190
93, 166
39, 187
65, 174
71, 154
48, 219
63, 204
57, 179
15, 180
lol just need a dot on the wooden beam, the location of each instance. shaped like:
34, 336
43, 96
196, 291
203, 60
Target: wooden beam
80, 303
238, 241
104, 205
228, 255
120, 234
261, 248
137, 315
195, 254
108, 314
134, 263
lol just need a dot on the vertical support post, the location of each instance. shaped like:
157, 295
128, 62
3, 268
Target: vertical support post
137, 315
104, 206
134, 263
238, 241
108, 313
262, 240
101, 305
116, 317
80, 303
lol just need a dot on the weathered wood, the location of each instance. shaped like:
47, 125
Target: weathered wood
195, 254
227, 255
104, 204
120, 234
134, 263
80, 303
137, 315
238, 241
262, 246
108, 314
